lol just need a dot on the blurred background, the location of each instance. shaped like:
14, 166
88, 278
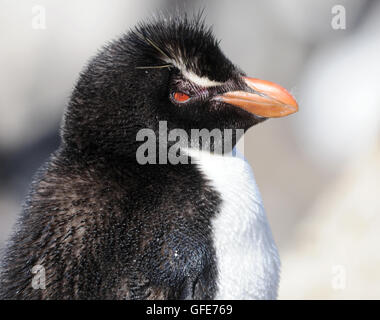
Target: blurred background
318, 170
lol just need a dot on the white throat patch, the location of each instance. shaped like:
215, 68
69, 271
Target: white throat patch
247, 258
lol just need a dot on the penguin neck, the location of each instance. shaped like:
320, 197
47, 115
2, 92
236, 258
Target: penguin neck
113, 167
97, 162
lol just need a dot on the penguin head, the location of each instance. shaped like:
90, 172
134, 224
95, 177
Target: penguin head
170, 69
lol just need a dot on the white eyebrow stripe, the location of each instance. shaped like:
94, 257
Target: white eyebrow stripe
189, 75
200, 81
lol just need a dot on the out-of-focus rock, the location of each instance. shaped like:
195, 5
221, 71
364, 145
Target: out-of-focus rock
336, 252
339, 95
40, 66
7, 204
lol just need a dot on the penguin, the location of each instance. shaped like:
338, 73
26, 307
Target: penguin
97, 224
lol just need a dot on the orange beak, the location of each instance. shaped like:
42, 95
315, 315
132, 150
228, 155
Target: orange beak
268, 100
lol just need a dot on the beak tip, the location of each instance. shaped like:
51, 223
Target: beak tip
294, 108
278, 98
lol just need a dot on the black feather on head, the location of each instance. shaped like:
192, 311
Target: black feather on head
183, 41
129, 86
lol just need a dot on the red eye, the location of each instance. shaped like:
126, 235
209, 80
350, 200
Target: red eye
180, 96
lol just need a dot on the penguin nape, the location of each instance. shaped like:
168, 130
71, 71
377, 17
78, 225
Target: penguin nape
103, 226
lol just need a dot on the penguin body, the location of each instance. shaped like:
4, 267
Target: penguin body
103, 226
246, 256
145, 240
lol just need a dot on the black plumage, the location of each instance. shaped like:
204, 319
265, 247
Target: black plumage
103, 226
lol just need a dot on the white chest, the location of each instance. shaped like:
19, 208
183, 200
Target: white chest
247, 258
